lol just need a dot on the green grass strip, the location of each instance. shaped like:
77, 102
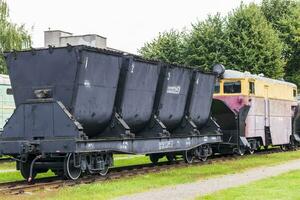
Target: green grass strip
142, 183
282, 187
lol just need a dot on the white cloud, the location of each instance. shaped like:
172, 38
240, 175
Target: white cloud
126, 24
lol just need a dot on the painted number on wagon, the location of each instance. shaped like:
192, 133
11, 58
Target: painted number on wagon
90, 146
165, 145
173, 90
124, 145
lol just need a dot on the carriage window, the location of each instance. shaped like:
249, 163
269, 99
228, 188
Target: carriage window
294, 92
217, 88
232, 87
251, 88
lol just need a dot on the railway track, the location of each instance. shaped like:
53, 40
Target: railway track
52, 183
3, 160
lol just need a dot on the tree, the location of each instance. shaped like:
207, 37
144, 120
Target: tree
252, 44
204, 46
168, 47
284, 15
244, 41
12, 36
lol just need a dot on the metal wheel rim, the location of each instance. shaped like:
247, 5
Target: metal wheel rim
188, 157
241, 152
204, 158
75, 174
104, 171
251, 151
283, 148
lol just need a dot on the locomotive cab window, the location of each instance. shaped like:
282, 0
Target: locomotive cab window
251, 87
232, 87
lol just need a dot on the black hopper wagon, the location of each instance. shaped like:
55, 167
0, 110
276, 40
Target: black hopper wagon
76, 106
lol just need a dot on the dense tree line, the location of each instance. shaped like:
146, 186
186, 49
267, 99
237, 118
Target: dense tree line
261, 38
12, 36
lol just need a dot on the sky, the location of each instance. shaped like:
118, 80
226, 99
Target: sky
126, 24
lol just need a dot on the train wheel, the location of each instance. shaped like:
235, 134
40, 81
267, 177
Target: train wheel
154, 158
70, 170
241, 151
283, 147
251, 151
170, 157
188, 157
292, 144
104, 171
203, 158
202, 152
25, 170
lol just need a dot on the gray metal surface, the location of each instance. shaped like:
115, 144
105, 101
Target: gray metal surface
147, 146
41, 120
83, 79
136, 92
201, 98
172, 95
80, 99
130, 146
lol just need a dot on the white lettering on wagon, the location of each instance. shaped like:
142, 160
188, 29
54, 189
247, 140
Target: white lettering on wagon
86, 62
205, 139
188, 142
124, 145
132, 68
90, 146
165, 145
173, 90
87, 83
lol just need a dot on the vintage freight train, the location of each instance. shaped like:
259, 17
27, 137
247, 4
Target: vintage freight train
76, 106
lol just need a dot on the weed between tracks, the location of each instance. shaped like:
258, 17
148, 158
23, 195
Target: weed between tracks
115, 188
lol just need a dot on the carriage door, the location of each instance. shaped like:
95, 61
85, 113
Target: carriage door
267, 106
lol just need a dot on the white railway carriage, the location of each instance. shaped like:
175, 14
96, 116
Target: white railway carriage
7, 104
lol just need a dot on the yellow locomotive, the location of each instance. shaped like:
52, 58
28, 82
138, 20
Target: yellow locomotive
260, 110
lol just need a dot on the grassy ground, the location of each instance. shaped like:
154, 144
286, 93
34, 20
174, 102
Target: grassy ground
283, 187
130, 160
141, 183
7, 165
